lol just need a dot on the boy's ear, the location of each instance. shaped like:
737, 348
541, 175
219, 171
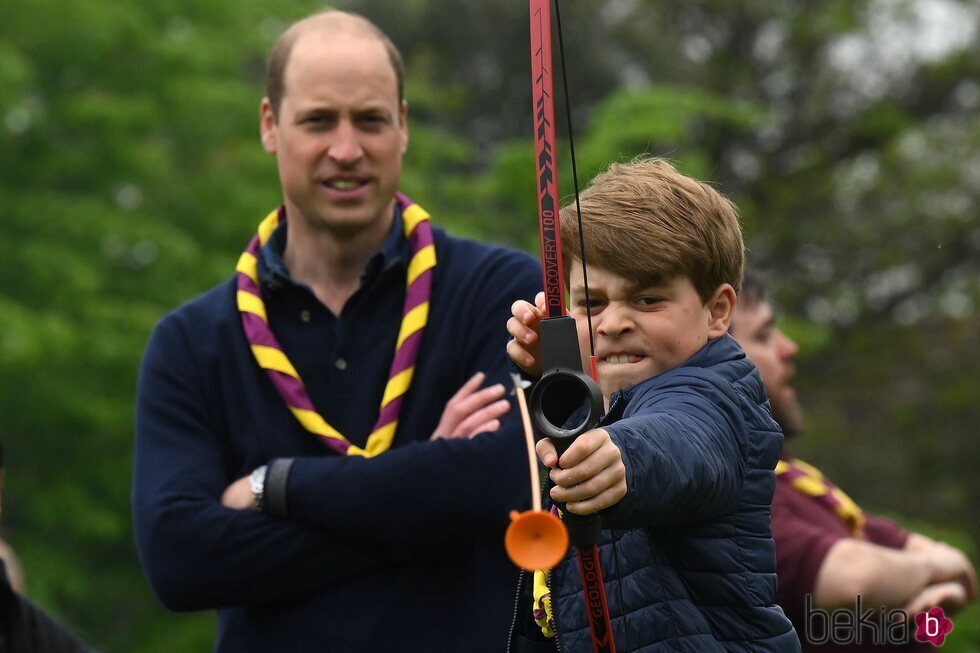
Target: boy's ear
720, 308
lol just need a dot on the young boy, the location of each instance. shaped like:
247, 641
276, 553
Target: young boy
680, 467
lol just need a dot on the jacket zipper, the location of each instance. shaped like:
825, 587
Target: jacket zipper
554, 607
517, 608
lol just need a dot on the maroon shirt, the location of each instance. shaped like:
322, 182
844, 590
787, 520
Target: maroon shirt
804, 530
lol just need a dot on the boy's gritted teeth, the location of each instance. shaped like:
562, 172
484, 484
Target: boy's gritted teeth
618, 359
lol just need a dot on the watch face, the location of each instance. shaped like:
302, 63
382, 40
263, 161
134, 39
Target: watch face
257, 483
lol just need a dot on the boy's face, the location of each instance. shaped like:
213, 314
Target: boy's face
642, 332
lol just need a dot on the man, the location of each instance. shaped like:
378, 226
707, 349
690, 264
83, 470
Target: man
828, 551
268, 483
25, 627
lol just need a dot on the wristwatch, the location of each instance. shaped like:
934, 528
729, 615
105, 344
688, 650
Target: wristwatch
257, 482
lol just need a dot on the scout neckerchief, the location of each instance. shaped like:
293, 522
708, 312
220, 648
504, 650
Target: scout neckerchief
270, 356
807, 479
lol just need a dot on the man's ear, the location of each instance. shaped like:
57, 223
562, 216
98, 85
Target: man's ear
268, 127
720, 309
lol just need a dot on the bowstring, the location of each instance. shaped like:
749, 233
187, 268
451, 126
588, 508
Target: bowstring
585, 281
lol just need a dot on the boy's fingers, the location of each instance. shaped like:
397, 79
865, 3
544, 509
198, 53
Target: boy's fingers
540, 302
546, 452
592, 486
520, 356
610, 497
520, 332
582, 448
524, 312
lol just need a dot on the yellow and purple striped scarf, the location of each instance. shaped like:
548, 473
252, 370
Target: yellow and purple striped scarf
809, 480
415, 313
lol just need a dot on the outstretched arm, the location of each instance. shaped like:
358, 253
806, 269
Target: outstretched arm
683, 464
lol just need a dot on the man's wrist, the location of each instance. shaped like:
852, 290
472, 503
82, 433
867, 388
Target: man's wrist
276, 479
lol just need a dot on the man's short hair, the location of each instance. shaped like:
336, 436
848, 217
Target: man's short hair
340, 22
754, 288
646, 222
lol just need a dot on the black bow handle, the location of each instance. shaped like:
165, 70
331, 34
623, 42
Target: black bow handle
563, 390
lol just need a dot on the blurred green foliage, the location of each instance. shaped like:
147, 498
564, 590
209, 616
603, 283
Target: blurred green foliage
131, 176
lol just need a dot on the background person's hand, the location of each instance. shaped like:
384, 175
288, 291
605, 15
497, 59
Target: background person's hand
472, 410
953, 565
524, 348
950, 596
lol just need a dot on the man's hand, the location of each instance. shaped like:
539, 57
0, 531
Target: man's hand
524, 348
239, 495
473, 411
955, 566
949, 596
948, 562
591, 476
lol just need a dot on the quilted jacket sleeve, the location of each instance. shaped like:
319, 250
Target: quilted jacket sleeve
682, 454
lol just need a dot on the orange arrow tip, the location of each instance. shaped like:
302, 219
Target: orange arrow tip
535, 539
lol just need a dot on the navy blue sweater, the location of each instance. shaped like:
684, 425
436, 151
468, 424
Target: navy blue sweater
399, 552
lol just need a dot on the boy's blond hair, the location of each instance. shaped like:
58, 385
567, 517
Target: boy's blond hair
646, 222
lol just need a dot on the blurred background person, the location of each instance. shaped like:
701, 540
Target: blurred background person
25, 627
828, 550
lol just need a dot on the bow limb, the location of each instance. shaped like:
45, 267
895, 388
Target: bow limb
563, 387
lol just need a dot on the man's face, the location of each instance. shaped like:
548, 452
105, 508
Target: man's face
639, 332
339, 135
774, 354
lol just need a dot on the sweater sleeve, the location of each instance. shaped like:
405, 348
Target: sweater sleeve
431, 492
885, 532
197, 553
682, 458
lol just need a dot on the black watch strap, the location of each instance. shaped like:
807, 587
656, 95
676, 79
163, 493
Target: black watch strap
275, 487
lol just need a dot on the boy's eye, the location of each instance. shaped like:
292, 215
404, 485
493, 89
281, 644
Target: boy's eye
649, 300
592, 304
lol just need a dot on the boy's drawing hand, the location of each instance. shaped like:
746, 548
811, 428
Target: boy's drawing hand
591, 476
472, 410
524, 347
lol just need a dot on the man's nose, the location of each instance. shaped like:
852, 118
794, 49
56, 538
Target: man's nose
345, 148
787, 346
